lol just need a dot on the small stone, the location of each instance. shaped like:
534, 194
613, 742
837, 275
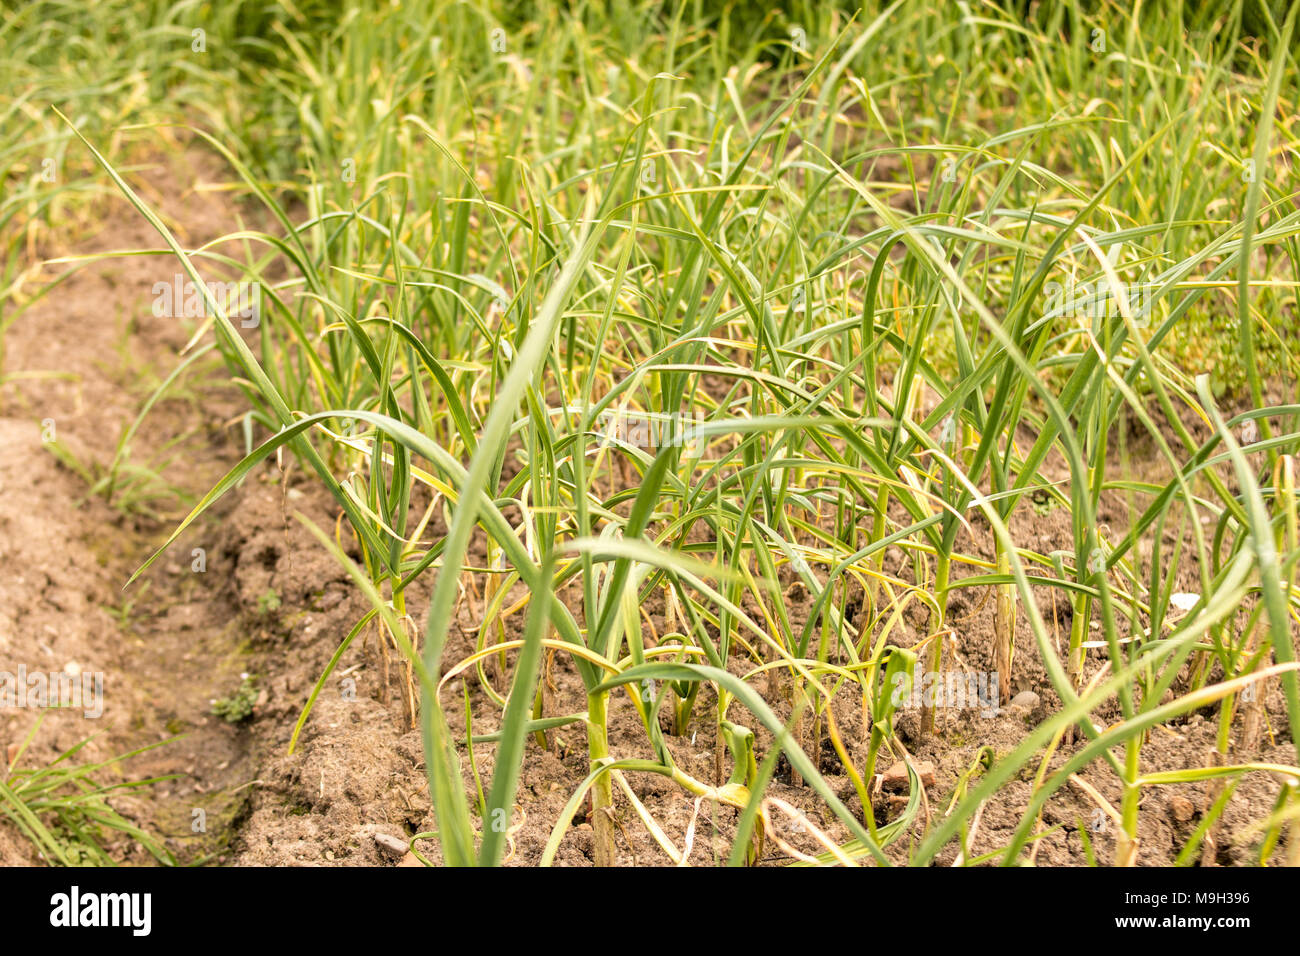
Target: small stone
391, 845
410, 860
1026, 699
896, 776
1182, 809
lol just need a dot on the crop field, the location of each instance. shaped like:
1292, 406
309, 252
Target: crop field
646, 433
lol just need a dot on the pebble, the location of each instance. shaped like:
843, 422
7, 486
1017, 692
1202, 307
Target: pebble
391, 845
1026, 699
1182, 809
896, 776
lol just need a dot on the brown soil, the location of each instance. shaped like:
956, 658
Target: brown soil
164, 647
273, 604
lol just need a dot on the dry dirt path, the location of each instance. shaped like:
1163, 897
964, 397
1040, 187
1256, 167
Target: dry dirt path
81, 362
